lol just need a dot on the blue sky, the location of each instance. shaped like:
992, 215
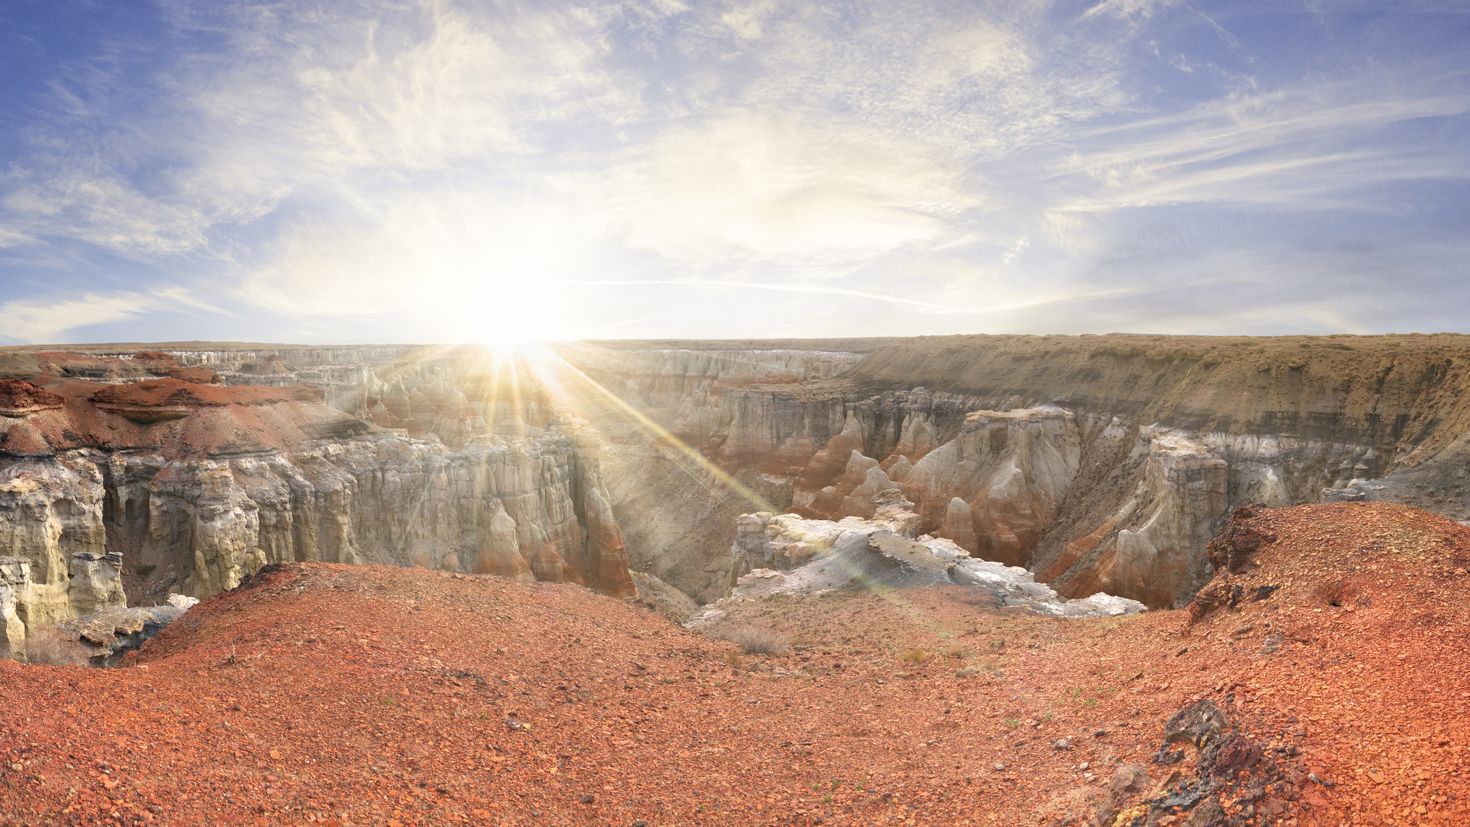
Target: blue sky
428, 171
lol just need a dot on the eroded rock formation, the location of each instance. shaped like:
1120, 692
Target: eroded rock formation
162, 485
788, 555
1098, 463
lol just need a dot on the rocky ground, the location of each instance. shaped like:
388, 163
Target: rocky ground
321, 693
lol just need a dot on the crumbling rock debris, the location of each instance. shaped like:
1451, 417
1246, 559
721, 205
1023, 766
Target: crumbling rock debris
1232, 779
1232, 548
1230, 553
784, 554
105, 637
1198, 724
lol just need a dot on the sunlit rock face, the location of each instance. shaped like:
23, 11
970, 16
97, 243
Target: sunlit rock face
1098, 463
787, 555
686, 390
516, 508
1113, 484
1011, 471
110, 502
15, 584
50, 515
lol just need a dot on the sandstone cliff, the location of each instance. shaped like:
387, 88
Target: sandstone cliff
1148, 441
1100, 463
158, 486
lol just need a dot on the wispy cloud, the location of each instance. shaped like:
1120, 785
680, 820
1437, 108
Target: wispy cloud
742, 187
51, 321
884, 168
1312, 148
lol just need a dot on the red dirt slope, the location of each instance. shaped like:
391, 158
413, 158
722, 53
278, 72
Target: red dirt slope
378, 695
43, 414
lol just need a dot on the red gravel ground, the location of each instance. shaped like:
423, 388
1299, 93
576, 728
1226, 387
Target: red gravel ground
375, 695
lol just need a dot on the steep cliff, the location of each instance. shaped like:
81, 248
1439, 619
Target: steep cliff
161, 485
1099, 463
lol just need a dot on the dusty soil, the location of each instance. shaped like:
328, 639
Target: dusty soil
335, 694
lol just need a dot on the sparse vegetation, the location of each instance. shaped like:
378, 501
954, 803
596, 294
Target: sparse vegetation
915, 656
48, 646
755, 640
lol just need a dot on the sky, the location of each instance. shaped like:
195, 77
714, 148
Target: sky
375, 171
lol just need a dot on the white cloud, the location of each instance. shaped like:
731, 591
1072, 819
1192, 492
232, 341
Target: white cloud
944, 160
14, 238
984, 82
101, 209
743, 187
313, 105
42, 321
748, 19
1133, 10
1304, 149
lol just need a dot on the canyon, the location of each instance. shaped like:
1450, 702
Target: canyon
1097, 464
1117, 580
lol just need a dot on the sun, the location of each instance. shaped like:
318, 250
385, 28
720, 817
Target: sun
507, 316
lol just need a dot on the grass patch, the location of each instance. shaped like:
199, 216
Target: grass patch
754, 640
914, 656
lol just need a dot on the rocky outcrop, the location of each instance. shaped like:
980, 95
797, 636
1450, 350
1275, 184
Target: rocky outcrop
102, 638
1099, 463
1012, 469
51, 516
117, 501
663, 598
1219, 773
1090, 503
1151, 547
516, 508
788, 555
15, 581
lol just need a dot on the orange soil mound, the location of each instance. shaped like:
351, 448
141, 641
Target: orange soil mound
372, 695
172, 391
61, 362
20, 395
191, 420
200, 375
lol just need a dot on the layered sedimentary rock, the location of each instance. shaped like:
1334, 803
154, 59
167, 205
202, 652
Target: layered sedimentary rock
1011, 471
1140, 447
788, 555
51, 516
511, 507
1096, 462
15, 580
168, 486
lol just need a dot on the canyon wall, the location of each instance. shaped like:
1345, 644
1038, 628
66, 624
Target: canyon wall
1101, 463
124, 493
1097, 463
